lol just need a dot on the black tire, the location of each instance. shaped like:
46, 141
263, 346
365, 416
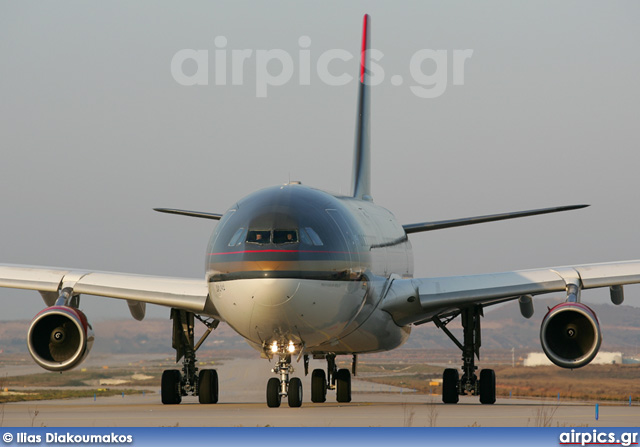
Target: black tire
208, 386
273, 393
294, 393
450, 379
318, 386
343, 386
487, 386
170, 387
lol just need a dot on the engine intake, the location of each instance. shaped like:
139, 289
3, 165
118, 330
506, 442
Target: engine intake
60, 338
570, 335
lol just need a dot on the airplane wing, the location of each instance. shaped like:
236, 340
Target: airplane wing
451, 223
180, 293
199, 214
417, 300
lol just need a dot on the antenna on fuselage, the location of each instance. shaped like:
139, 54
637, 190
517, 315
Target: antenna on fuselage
361, 187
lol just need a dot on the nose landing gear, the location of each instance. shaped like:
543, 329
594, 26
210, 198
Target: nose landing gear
284, 387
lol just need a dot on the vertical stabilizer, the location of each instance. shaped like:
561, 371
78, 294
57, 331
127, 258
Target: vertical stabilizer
361, 188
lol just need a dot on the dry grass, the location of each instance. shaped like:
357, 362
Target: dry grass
432, 412
593, 382
50, 394
79, 383
33, 414
409, 414
543, 416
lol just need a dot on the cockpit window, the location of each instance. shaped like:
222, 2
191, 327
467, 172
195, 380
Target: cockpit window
259, 236
238, 237
310, 237
307, 235
285, 236
304, 237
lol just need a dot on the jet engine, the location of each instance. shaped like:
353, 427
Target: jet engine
60, 338
570, 335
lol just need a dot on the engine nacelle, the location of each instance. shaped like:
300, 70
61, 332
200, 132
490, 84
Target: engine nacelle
570, 335
60, 338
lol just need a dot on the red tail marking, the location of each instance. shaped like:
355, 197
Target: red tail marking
364, 47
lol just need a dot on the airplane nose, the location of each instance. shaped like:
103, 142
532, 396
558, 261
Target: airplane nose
265, 309
275, 292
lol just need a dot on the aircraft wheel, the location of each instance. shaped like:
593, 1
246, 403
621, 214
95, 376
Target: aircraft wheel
273, 393
450, 380
170, 387
343, 385
318, 386
294, 393
208, 386
487, 386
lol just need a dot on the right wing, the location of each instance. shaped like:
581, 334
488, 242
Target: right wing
200, 214
180, 293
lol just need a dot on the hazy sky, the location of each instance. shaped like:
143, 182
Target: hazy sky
95, 131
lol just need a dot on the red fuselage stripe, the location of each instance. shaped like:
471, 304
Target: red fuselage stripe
276, 251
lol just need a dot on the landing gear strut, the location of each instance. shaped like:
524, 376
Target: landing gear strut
176, 384
452, 385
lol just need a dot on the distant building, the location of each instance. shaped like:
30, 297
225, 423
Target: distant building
603, 358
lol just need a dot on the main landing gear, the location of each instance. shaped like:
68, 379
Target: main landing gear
334, 379
452, 385
176, 384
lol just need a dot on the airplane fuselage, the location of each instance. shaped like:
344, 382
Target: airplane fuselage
295, 264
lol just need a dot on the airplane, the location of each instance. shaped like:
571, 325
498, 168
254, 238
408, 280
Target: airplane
301, 273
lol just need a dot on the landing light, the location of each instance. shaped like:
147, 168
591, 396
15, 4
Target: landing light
274, 347
292, 347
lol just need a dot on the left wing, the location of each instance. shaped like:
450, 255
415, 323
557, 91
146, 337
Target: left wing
570, 332
417, 300
180, 293
442, 224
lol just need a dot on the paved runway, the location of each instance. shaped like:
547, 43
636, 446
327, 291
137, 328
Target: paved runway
242, 403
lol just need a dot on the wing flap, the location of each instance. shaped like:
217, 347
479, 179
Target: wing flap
611, 274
